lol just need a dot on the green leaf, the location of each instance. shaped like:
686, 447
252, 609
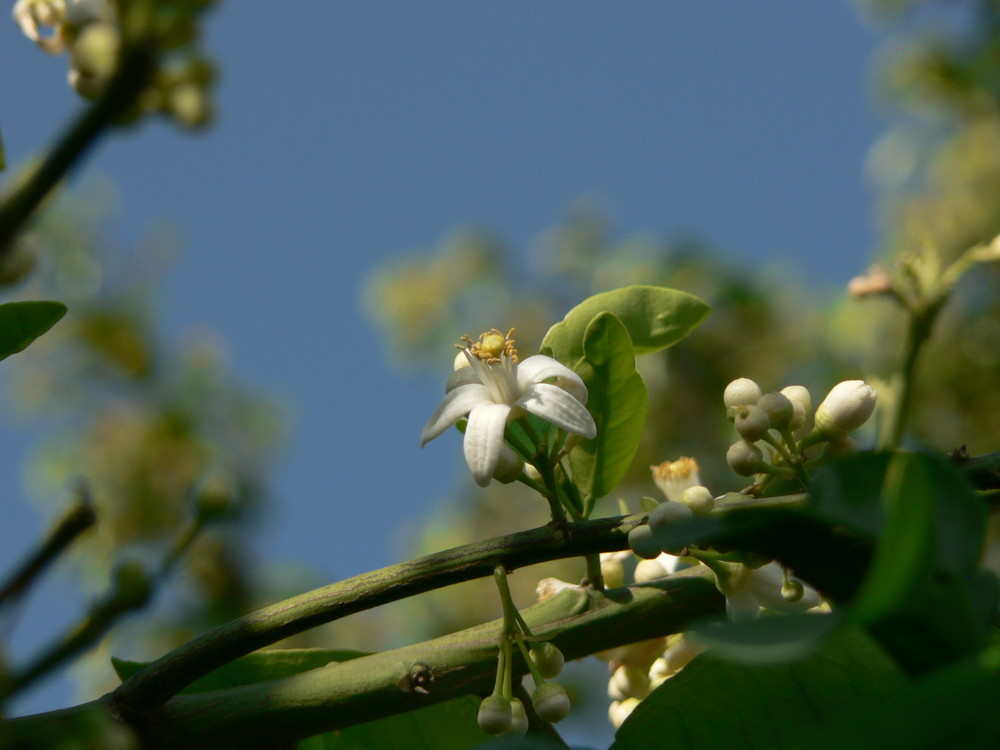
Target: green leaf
655, 317
712, 703
848, 492
446, 726
618, 403
953, 708
260, 666
769, 639
23, 322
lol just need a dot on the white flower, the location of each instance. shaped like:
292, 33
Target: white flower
495, 389
749, 590
673, 477
846, 407
30, 15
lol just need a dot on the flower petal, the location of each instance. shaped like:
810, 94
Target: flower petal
455, 405
465, 376
555, 405
484, 440
537, 368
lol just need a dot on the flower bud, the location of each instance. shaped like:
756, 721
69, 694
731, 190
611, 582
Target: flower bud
778, 408
612, 569
741, 392
848, 406
495, 715
744, 458
628, 681
551, 702
751, 422
641, 540
648, 570
667, 514
509, 465
618, 711
95, 51
548, 658
801, 403
698, 499
518, 719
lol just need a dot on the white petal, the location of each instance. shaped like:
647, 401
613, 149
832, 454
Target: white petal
455, 405
465, 376
765, 584
539, 367
484, 440
742, 606
555, 405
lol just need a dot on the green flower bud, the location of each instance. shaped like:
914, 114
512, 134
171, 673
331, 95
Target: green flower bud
751, 422
548, 658
741, 392
641, 540
95, 51
495, 715
668, 514
698, 499
778, 408
744, 458
551, 702
518, 719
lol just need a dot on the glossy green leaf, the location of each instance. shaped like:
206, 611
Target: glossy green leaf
713, 703
655, 318
260, 666
848, 492
618, 402
23, 322
444, 726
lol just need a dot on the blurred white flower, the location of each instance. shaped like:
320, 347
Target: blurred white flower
497, 388
750, 589
673, 477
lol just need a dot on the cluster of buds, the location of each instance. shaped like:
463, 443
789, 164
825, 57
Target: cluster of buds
501, 712
780, 422
95, 33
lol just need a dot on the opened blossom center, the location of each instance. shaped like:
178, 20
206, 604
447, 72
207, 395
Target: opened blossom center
495, 388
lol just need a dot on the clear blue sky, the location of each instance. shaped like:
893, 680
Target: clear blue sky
351, 132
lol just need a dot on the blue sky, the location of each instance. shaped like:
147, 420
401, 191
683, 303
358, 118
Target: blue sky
352, 132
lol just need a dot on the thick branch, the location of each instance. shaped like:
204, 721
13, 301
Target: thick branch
277, 713
147, 690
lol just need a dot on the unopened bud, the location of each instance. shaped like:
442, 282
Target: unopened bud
551, 702
548, 659
95, 51
698, 499
618, 711
744, 458
668, 514
495, 715
642, 542
751, 422
741, 392
801, 403
778, 408
628, 681
848, 406
648, 570
518, 719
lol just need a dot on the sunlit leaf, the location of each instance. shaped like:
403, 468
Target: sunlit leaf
655, 318
23, 322
618, 402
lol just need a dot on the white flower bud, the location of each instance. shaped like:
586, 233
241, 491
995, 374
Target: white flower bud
618, 711
846, 407
741, 392
744, 458
751, 422
629, 681
551, 702
612, 569
495, 715
778, 408
518, 719
801, 403
648, 570
698, 499
509, 465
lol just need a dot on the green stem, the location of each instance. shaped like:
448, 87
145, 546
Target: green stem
145, 691
371, 687
919, 331
134, 73
78, 518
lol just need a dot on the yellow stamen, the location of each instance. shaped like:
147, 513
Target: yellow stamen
682, 468
492, 345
